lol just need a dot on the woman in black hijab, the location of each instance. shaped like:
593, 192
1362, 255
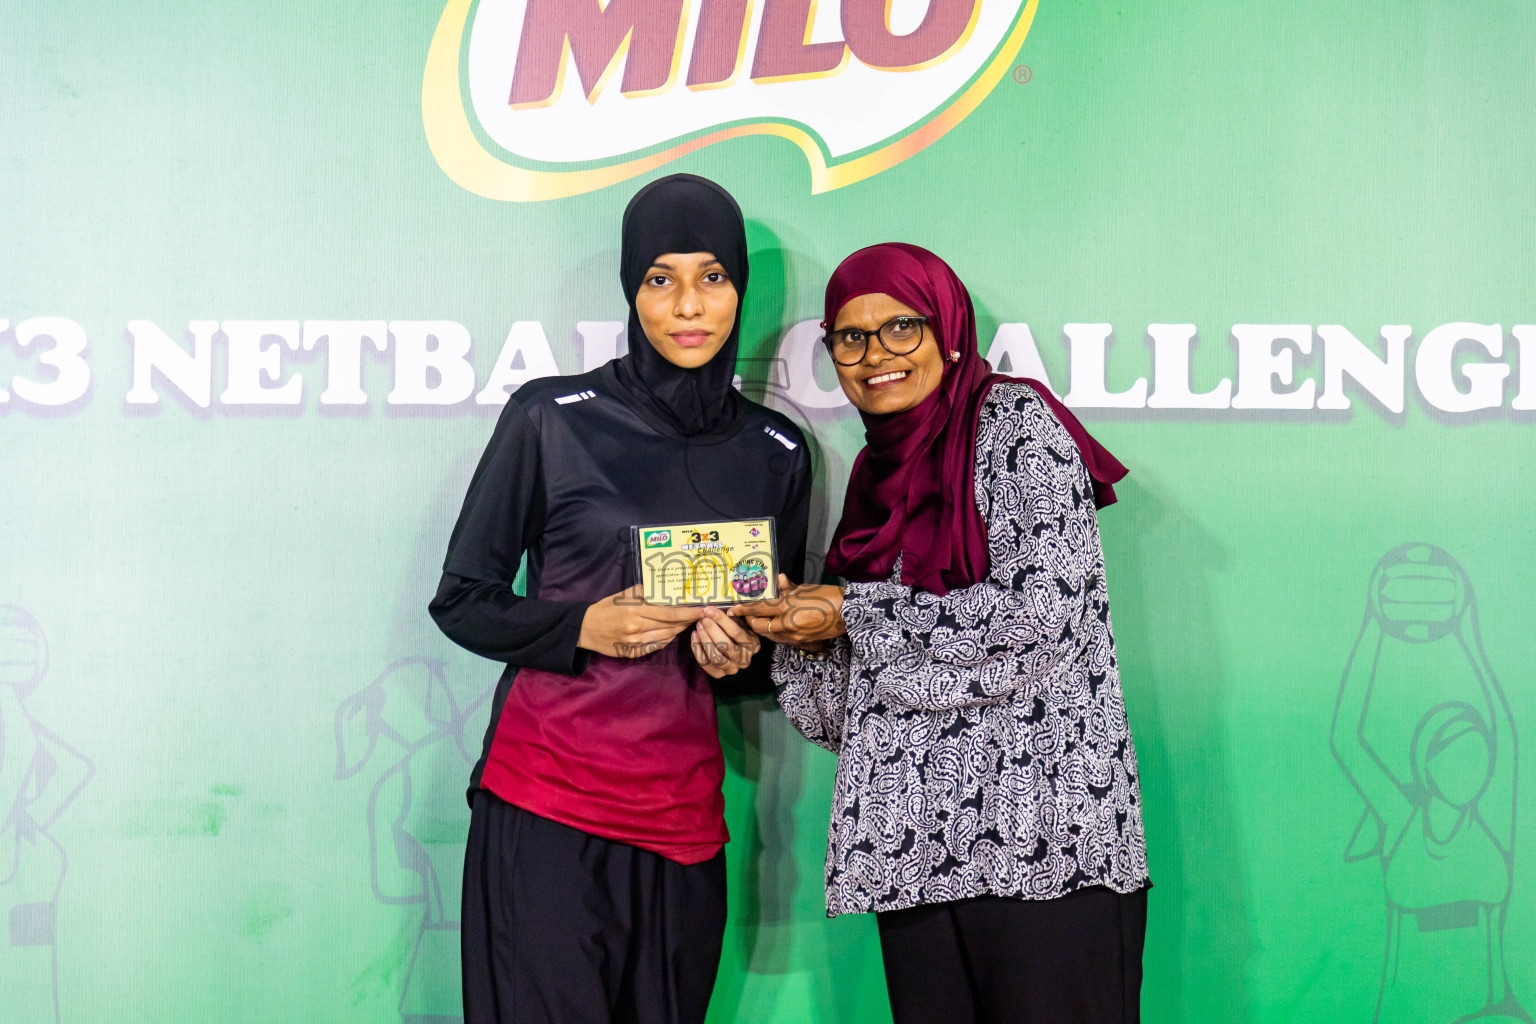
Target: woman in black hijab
594, 878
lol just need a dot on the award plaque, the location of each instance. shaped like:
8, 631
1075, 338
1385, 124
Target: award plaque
707, 563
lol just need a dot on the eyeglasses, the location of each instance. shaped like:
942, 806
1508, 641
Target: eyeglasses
898, 336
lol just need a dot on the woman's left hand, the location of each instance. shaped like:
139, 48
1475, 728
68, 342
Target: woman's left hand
721, 646
806, 616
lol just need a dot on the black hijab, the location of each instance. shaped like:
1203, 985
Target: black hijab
682, 213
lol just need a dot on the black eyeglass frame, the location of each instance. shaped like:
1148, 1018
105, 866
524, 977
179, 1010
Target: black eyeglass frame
878, 333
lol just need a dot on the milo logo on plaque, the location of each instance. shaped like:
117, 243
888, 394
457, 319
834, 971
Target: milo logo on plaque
658, 539
538, 99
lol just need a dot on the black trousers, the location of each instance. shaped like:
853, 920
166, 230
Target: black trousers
1075, 959
562, 927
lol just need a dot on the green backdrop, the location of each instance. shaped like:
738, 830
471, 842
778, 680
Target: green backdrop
234, 744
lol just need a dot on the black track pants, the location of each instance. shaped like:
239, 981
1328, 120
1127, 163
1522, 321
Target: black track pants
560, 926
1075, 959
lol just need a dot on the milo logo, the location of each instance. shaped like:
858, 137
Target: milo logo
538, 99
658, 539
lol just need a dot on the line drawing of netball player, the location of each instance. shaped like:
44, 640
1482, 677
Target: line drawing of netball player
418, 819
40, 775
1423, 731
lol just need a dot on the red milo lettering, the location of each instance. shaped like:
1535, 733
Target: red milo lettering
645, 34
782, 47
718, 43
946, 24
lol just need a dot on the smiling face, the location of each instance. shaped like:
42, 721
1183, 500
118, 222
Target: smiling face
687, 307
881, 383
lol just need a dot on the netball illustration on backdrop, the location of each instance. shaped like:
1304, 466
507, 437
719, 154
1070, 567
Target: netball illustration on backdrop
1422, 728
417, 817
40, 776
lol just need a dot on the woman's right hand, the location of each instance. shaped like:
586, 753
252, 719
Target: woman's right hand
622, 625
806, 616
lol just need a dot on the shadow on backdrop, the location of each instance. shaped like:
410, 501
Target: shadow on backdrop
761, 899
1162, 565
765, 751
422, 736
1422, 729
40, 775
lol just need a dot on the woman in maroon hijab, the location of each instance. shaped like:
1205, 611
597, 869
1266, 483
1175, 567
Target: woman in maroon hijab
986, 806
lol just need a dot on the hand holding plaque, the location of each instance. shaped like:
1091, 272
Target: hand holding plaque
807, 616
723, 563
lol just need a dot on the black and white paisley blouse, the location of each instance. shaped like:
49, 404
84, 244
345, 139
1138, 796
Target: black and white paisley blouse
981, 736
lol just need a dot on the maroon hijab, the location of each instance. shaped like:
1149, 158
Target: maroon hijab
911, 492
